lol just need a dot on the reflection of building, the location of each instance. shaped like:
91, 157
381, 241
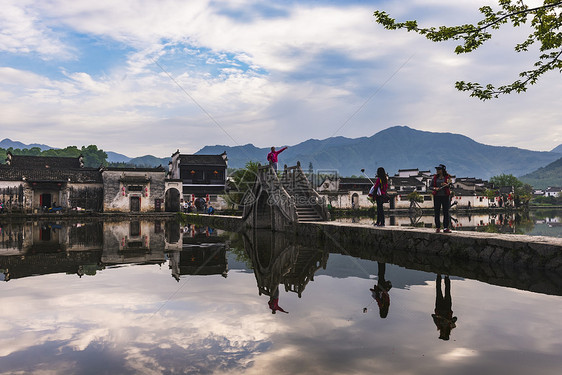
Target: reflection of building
470, 222
203, 177
133, 242
46, 247
203, 252
276, 261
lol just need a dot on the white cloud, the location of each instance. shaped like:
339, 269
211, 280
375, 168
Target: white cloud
300, 73
22, 31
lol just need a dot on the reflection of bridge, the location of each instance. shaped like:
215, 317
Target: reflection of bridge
278, 202
276, 261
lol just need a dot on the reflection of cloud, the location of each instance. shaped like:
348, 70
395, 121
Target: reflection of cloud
139, 320
109, 318
458, 354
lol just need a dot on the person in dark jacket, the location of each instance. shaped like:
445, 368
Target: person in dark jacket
440, 185
443, 316
378, 191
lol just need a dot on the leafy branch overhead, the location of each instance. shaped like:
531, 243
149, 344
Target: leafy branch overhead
545, 22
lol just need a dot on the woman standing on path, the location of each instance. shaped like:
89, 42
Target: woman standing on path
441, 191
272, 157
379, 191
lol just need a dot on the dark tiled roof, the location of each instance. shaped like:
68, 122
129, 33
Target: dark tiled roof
84, 175
129, 169
465, 193
405, 181
41, 162
354, 180
214, 160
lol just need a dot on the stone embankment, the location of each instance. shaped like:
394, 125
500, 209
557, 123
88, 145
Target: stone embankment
531, 252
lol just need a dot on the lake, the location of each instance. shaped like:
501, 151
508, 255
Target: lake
536, 222
154, 297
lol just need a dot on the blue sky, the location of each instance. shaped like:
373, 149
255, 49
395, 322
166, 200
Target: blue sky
150, 77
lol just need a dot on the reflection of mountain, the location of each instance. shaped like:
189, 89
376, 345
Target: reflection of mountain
277, 261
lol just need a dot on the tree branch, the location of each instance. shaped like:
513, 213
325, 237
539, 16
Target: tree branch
516, 13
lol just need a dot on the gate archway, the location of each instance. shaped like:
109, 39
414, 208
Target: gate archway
172, 203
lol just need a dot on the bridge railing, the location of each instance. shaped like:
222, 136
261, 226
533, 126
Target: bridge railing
293, 177
278, 195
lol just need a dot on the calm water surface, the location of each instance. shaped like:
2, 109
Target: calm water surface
154, 298
536, 222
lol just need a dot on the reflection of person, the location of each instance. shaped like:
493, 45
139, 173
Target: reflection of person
443, 317
379, 191
380, 291
441, 192
272, 157
274, 302
6, 275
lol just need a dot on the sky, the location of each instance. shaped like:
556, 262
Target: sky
145, 77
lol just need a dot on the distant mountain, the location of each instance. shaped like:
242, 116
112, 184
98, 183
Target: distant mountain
557, 149
7, 143
150, 161
395, 148
114, 157
551, 175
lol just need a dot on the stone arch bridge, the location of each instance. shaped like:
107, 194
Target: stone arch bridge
281, 200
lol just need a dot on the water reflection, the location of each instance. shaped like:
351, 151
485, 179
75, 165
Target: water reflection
380, 291
203, 252
85, 248
277, 260
138, 319
546, 222
443, 316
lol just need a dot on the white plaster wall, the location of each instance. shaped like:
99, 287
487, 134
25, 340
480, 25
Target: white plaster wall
122, 202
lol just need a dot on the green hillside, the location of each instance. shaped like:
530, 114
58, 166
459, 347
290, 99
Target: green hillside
551, 175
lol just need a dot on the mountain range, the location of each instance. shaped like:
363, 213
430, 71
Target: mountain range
398, 147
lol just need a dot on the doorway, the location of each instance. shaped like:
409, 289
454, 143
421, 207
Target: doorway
135, 204
45, 200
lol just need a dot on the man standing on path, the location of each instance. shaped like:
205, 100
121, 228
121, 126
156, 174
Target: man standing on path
272, 157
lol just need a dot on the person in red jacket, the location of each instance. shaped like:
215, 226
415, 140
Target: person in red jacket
272, 157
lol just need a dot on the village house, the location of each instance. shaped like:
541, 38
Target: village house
470, 192
345, 192
133, 189
349, 193
38, 183
553, 191
407, 181
52, 184
203, 178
